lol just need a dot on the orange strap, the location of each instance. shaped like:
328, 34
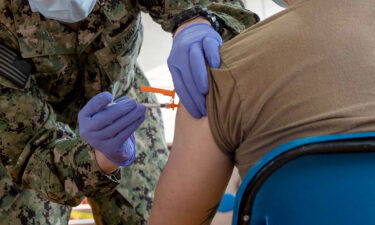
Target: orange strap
170, 93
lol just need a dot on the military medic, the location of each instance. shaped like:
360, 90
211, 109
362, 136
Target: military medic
62, 59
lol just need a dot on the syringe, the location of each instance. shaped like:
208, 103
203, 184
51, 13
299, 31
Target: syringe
156, 105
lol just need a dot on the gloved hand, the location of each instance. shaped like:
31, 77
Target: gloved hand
186, 62
110, 128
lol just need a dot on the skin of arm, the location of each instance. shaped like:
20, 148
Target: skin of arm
199, 19
105, 164
195, 177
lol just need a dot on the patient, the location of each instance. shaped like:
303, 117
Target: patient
307, 71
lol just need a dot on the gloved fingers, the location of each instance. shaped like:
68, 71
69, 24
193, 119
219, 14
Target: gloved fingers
127, 152
121, 123
95, 104
122, 98
121, 137
200, 100
211, 48
111, 113
183, 94
132, 138
191, 81
198, 68
129, 147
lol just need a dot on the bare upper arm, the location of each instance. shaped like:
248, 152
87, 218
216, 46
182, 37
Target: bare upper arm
194, 178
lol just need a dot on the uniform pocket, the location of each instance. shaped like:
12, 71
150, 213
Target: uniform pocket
38, 37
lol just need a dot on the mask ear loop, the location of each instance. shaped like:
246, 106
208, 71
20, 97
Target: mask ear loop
169, 93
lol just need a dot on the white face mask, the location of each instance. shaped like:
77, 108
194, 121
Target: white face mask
69, 11
281, 3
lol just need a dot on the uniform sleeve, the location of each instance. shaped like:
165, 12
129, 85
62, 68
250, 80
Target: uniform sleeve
40, 153
231, 13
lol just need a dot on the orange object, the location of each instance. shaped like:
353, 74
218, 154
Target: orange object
172, 106
165, 92
170, 93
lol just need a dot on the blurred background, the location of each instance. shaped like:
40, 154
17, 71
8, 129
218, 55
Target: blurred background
153, 59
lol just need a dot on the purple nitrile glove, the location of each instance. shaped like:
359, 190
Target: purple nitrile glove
110, 128
186, 62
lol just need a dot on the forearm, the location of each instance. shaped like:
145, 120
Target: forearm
106, 165
232, 15
44, 155
63, 170
190, 22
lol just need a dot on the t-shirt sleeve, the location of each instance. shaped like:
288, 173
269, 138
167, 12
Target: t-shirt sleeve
223, 108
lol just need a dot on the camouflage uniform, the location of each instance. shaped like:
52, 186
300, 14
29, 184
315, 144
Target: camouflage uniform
42, 158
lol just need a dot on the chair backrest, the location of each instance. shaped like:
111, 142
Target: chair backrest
325, 180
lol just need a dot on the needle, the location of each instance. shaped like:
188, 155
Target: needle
155, 105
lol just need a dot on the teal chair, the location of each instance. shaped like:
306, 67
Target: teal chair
325, 180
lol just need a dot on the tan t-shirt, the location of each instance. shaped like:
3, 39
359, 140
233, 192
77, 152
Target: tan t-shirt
307, 71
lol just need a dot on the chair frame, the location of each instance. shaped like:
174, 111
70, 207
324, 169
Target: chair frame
328, 144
